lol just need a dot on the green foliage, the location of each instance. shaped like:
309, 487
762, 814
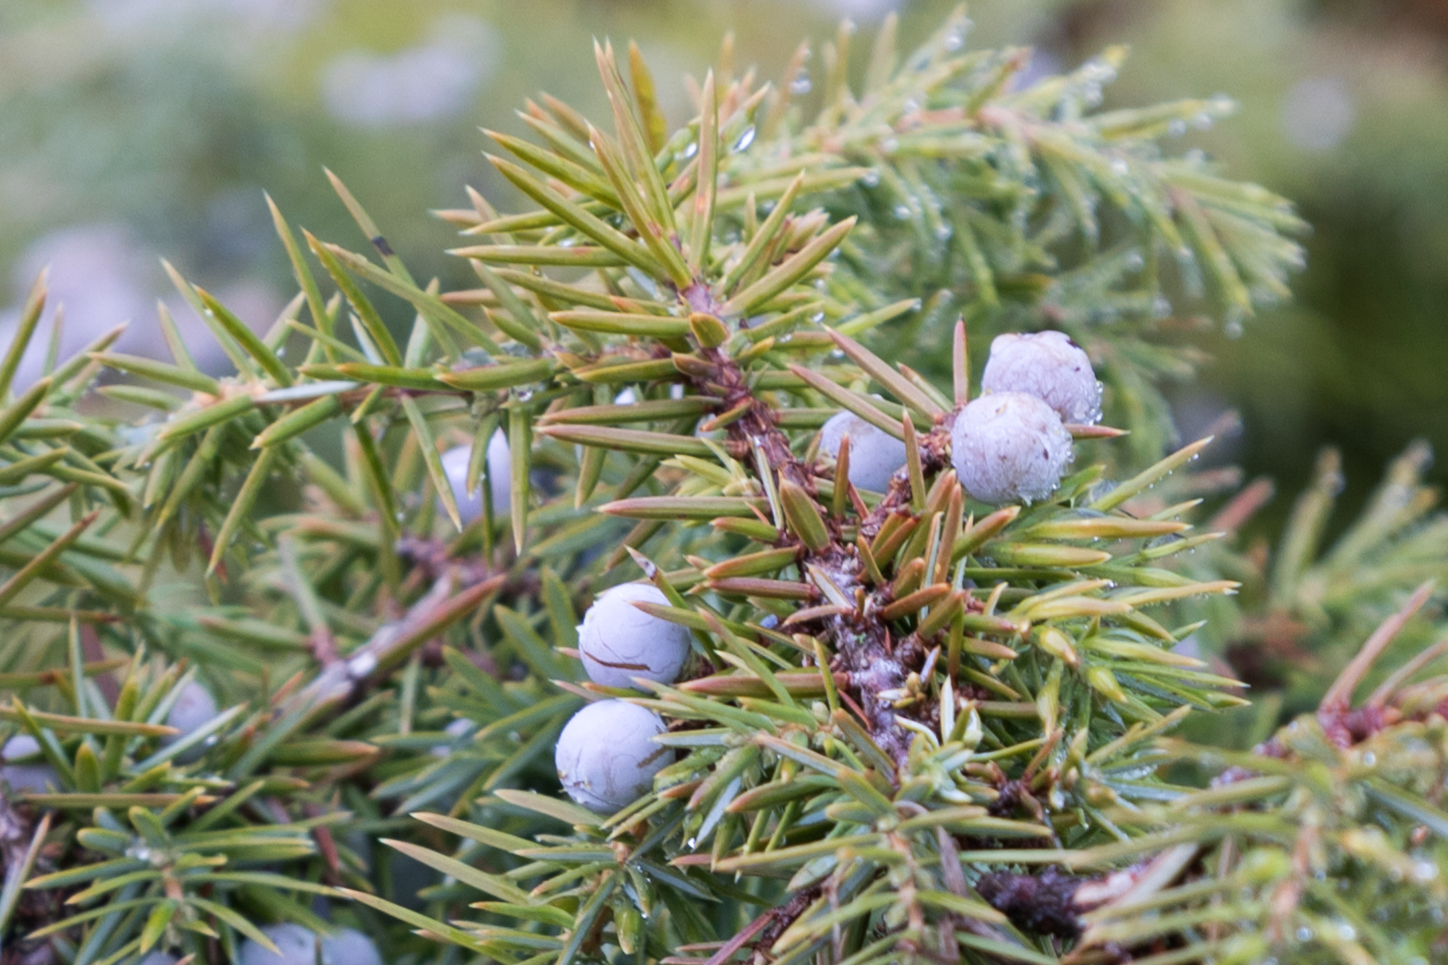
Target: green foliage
914, 723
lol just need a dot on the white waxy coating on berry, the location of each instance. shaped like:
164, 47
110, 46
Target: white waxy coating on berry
295, 946
606, 758
499, 478
1049, 366
875, 455
348, 946
1009, 447
619, 642
30, 778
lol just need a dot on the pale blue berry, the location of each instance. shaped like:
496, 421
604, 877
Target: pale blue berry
295, 944
1049, 366
875, 455
499, 479
193, 708
28, 778
348, 946
1009, 447
606, 757
619, 642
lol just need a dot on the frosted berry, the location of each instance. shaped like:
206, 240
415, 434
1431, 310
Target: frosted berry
29, 778
499, 478
1009, 447
875, 455
619, 642
1049, 366
606, 758
194, 707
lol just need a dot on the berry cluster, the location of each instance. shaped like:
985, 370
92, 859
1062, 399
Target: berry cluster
606, 755
1009, 445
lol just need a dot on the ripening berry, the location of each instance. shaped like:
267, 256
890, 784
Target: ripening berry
193, 708
29, 778
1009, 447
1049, 366
605, 757
499, 475
619, 642
875, 455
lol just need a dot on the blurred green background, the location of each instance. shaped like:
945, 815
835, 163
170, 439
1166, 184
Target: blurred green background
134, 129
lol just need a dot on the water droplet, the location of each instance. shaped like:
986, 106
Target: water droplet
690, 150
1369, 759
1120, 167
816, 317
801, 83
1233, 329
1425, 870
1201, 120
745, 139
943, 232
1346, 932
1135, 261
1304, 934
889, 145
911, 105
954, 40
901, 212
1161, 306
1177, 127
870, 179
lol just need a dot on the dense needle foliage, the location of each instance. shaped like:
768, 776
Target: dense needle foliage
913, 726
